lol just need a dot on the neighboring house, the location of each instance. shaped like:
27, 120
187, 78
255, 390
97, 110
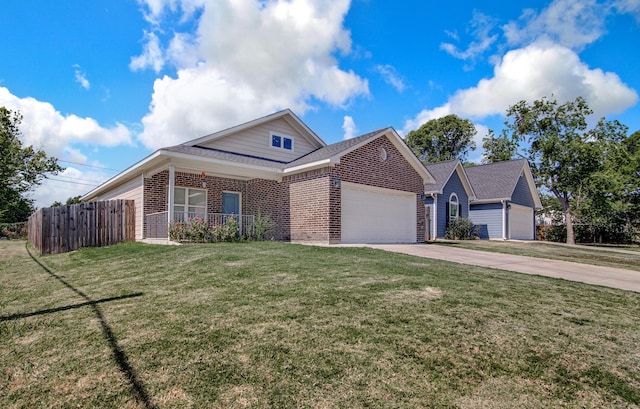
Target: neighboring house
506, 200
447, 198
367, 189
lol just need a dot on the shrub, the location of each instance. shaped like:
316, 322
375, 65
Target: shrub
13, 230
198, 230
461, 229
262, 226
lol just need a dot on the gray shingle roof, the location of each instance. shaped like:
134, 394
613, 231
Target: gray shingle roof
441, 172
495, 180
210, 153
333, 149
317, 155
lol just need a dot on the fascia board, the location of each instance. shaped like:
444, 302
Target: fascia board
310, 166
532, 185
465, 181
124, 175
492, 200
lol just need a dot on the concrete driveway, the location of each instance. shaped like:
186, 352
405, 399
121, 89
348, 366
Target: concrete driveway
585, 273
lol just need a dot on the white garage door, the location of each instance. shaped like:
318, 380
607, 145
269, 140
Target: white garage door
376, 215
520, 222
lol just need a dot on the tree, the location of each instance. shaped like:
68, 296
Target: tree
21, 169
70, 201
442, 139
567, 158
497, 148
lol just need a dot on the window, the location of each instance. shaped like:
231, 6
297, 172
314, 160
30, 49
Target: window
282, 142
453, 207
189, 203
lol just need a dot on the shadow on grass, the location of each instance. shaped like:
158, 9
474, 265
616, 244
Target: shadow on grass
118, 354
66, 307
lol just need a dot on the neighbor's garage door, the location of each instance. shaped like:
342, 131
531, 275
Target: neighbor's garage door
520, 222
376, 215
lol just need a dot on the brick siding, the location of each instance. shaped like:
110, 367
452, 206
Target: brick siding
305, 206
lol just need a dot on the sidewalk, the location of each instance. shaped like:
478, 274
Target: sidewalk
585, 273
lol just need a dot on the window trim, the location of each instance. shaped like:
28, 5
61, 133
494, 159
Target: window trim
187, 205
282, 141
453, 199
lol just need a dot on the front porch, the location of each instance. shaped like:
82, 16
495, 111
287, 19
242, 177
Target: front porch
158, 225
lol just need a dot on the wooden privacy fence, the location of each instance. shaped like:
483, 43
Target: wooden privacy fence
61, 229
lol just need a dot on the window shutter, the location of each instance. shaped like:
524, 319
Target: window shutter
459, 210
446, 224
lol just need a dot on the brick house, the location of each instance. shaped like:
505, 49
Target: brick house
369, 189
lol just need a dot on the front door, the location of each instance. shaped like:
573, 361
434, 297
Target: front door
231, 203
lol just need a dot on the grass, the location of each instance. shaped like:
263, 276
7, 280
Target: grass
599, 256
269, 324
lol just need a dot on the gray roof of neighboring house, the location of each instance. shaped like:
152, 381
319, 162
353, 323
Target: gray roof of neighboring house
495, 180
317, 155
441, 172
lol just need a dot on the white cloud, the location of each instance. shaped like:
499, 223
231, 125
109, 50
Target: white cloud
542, 69
349, 127
45, 128
571, 23
481, 25
81, 77
151, 57
391, 77
248, 59
629, 6
69, 183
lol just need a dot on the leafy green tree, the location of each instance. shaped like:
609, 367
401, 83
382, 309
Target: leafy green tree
497, 148
567, 157
446, 138
21, 169
70, 201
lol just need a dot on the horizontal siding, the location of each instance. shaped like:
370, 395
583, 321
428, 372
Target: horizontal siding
454, 185
256, 141
130, 191
489, 218
522, 194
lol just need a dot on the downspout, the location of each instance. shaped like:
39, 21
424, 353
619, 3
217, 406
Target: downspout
434, 216
170, 198
504, 219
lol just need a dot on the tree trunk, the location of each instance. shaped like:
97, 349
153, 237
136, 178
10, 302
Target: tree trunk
571, 239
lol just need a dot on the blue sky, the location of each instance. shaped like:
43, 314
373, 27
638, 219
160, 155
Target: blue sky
102, 84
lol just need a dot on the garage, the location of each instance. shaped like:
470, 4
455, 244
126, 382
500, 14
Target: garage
377, 215
520, 222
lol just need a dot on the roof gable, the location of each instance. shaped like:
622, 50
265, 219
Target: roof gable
498, 181
331, 154
442, 172
254, 138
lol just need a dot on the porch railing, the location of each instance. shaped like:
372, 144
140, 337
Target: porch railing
157, 225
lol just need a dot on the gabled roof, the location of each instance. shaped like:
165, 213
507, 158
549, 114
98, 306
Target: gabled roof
442, 172
497, 181
331, 154
285, 114
208, 159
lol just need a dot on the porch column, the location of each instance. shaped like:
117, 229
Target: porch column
172, 177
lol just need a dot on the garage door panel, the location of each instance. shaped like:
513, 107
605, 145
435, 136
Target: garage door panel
521, 222
371, 215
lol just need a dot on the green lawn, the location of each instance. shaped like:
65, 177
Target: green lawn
271, 325
599, 256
